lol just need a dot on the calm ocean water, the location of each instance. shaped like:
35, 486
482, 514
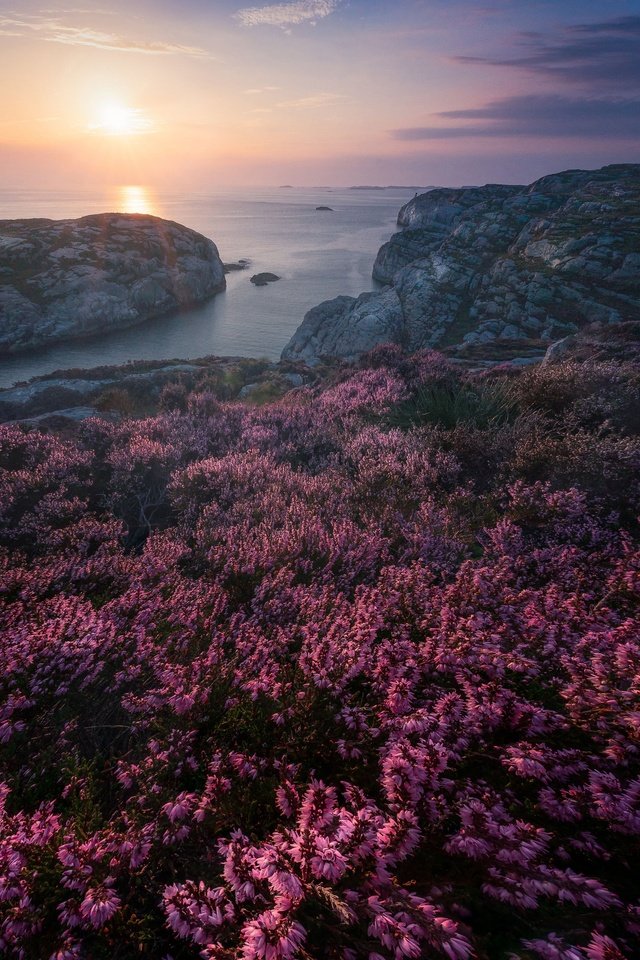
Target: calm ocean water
318, 255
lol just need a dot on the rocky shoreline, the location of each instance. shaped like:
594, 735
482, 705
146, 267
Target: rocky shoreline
136, 388
63, 280
486, 275
495, 267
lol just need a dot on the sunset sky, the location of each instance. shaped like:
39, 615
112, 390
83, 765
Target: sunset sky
199, 93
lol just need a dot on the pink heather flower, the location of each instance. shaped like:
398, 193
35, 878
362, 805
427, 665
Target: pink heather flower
328, 863
287, 799
396, 936
287, 884
239, 865
182, 703
603, 948
99, 905
400, 836
273, 866
272, 936
318, 805
553, 948
70, 950
195, 911
180, 808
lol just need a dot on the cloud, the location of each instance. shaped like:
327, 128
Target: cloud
67, 11
620, 25
597, 55
300, 103
257, 91
287, 14
53, 31
318, 100
85, 37
553, 116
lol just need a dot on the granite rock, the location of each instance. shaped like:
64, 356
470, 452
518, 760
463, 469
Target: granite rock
485, 265
65, 279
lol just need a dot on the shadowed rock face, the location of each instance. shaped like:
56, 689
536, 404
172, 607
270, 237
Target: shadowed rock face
484, 266
64, 279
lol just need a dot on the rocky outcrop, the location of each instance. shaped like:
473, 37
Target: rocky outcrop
79, 389
347, 327
74, 395
235, 267
65, 279
485, 266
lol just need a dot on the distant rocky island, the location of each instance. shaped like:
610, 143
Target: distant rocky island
65, 279
262, 279
477, 270
391, 187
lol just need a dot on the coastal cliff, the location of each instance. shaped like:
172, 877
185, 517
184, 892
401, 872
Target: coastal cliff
484, 268
65, 279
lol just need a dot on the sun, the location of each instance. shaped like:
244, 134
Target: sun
118, 120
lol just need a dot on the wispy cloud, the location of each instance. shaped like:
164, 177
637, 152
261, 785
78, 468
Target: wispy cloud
85, 37
536, 116
310, 103
605, 53
592, 73
53, 30
287, 14
258, 91
70, 11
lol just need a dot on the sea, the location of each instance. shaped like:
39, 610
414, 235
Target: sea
317, 254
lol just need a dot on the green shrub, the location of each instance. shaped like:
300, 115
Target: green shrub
447, 405
116, 400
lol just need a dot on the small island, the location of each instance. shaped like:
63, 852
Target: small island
262, 279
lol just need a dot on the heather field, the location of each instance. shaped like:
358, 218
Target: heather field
349, 673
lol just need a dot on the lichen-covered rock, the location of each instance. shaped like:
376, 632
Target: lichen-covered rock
64, 279
347, 327
484, 265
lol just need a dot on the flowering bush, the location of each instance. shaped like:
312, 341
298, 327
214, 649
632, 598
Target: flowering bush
326, 678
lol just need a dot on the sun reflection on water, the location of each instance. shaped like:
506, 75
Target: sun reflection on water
136, 199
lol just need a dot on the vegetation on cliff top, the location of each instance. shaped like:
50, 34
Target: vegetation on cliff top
350, 674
